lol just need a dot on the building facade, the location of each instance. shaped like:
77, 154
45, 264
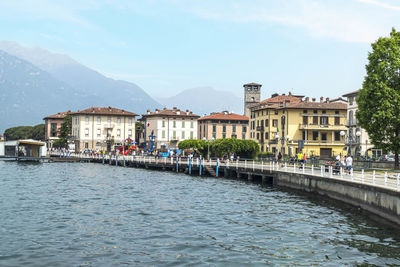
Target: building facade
357, 139
252, 94
169, 126
289, 124
52, 126
223, 125
102, 128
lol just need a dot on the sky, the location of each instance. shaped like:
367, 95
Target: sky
309, 47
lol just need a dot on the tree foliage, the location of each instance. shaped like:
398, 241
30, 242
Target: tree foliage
25, 132
379, 99
65, 132
219, 147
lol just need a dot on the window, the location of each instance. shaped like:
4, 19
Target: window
109, 133
337, 121
214, 136
53, 130
214, 128
304, 135
244, 129
191, 135
163, 123
258, 136
315, 111
266, 136
98, 132
258, 123
266, 123
118, 132
305, 120
351, 101
191, 124
118, 121
183, 124
174, 124
129, 133
174, 134
337, 136
223, 135
337, 112
315, 135
324, 112
99, 120
224, 128
183, 134
324, 120
274, 123
323, 136
276, 112
163, 134
243, 136
130, 121
234, 128
305, 111
109, 122
315, 120
87, 119
86, 132
86, 145
351, 117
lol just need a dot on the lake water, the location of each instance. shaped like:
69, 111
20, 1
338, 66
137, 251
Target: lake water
85, 214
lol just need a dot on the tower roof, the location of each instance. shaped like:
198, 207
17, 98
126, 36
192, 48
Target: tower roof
247, 84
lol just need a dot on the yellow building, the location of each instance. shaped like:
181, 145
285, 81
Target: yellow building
291, 124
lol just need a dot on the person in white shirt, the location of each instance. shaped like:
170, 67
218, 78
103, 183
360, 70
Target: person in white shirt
349, 163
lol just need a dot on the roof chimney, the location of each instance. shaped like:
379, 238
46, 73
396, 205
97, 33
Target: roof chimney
283, 94
174, 108
321, 99
307, 99
148, 111
313, 99
327, 100
290, 93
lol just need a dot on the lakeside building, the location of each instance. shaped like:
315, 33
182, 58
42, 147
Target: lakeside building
252, 95
169, 126
52, 126
357, 140
289, 124
102, 128
223, 125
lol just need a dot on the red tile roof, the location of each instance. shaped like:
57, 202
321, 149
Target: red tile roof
175, 112
225, 116
316, 105
105, 111
282, 99
59, 115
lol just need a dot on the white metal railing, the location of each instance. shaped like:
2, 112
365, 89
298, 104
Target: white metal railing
378, 178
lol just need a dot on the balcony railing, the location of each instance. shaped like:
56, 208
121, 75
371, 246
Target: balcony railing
260, 128
322, 126
109, 126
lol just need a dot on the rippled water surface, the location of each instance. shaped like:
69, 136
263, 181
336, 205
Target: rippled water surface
72, 214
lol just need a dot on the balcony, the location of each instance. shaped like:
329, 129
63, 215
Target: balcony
273, 142
109, 126
330, 127
324, 142
260, 128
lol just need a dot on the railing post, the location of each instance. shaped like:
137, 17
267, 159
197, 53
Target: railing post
262, 166
341, 172
116, 160
245, 164
386, 178
373, 176
362, 175
253, 165
190, 165
304, 170
124, 160
294, 167
285, 165
322, 170
351, 173
312, 169
398, 182
237, 163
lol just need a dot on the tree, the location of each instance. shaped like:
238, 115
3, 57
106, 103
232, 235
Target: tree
379, 99
25, 132
65, 132
199, 146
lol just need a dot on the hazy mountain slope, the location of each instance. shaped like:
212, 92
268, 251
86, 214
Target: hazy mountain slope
204, 100
89, 83
27, 93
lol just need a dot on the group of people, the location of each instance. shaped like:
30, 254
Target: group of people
345, 162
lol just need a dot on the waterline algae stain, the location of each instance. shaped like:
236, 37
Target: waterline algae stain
92, 214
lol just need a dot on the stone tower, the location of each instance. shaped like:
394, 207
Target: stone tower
252, 92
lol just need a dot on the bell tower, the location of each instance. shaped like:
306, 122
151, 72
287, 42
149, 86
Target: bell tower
252, 93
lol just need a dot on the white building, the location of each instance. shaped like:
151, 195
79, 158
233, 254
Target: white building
357, 139
101, 128
169, 126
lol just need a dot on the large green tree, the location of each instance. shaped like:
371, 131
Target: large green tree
25, 132
65, 132
379, 99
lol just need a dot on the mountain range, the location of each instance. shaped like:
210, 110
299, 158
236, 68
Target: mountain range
35, 83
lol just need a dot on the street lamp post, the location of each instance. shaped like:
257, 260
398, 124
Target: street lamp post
350, 139
208, 147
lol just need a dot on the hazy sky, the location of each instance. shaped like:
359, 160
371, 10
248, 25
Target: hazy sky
307, 46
